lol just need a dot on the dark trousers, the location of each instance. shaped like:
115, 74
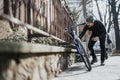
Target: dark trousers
102, 46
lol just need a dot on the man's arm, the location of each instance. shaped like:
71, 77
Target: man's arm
83, 32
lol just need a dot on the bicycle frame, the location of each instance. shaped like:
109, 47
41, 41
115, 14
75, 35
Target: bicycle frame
75, 39
79, 47
74, 36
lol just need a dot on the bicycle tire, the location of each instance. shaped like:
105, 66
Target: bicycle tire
84, 56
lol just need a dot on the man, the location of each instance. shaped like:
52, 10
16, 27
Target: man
98, 33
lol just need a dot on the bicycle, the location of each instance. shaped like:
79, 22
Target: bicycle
80, 49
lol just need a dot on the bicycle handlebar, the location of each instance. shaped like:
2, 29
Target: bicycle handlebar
74, 26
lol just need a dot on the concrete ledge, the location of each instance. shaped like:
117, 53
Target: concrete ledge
22, 47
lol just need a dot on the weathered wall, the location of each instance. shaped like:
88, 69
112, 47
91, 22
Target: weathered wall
5, 29
47, 15
33, 67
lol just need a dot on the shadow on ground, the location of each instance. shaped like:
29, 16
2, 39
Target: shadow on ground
76, 70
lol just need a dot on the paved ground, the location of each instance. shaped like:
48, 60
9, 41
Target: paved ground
111, 71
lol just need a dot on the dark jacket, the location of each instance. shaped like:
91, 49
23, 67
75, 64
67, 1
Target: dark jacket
98, 29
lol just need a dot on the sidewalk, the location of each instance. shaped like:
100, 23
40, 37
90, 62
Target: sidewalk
111, 71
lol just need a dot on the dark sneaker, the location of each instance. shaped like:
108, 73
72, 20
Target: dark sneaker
93, 61
102, 64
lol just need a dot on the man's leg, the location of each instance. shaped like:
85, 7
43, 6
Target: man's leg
103, 51
90, 46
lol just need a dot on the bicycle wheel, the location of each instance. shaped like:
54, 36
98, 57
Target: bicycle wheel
84, 56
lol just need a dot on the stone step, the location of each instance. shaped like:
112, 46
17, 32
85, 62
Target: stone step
23, 47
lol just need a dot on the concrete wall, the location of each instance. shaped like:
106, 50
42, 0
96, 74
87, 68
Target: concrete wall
42, 67
33, 65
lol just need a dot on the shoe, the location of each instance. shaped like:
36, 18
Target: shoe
102, 64
93, 61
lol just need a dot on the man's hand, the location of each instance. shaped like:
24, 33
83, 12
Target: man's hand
95, 38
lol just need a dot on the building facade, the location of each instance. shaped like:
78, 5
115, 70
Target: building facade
47, 15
